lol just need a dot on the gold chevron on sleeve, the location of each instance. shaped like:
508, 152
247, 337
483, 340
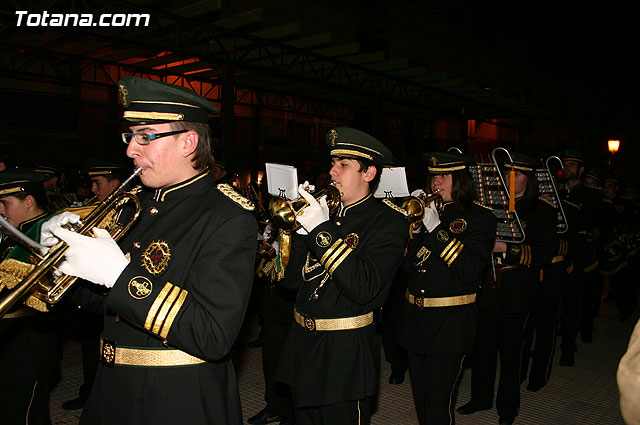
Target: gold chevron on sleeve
173, 313
166, 305
335, 255
452, 251
455, 254
449, 249
330, 251
151, 315
339, 261
525, 257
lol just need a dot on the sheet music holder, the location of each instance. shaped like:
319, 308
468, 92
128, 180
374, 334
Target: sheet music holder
393, 183
282, 181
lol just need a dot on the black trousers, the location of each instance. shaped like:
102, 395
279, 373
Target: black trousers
356, 412
543, 323
25, 402
433, 380
394, 353
570, 316
498, 333
590, 301
277, 395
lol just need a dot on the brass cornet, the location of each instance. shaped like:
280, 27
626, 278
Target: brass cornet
103, 215
416, 205
283, 212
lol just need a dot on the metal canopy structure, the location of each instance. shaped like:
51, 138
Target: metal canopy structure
239, 59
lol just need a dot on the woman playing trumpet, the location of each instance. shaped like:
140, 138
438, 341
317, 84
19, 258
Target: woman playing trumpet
446, 261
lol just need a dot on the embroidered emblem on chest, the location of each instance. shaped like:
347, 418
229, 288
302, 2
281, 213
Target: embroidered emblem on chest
352, 240
515, 249
156, 257
140, 287
458, 225
323, 239
442, 236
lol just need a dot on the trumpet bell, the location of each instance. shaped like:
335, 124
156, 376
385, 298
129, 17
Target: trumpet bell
415, 206
283, 213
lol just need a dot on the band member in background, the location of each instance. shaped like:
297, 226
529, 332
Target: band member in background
612, 249
446, 261
30, 351
560, 286
180, 279
581, 204
505, 303
105, 177
84, 322
342, 268
276, 314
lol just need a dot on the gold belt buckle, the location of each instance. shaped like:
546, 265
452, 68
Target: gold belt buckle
418, 301
309, 323
108, 353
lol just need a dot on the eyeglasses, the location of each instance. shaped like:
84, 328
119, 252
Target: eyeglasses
145, 138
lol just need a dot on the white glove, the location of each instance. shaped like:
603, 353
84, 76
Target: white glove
431, 217
98, 259
418, 193
312, 215
306, 187
268, 231
47, 239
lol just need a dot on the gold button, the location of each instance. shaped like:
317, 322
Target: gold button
116, 317
338, 223
136, 245
165, 342
153, 211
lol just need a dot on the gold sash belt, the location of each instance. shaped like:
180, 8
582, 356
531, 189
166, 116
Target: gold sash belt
150, 357
339, 324
421, 302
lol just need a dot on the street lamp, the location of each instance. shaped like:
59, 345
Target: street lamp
613, 145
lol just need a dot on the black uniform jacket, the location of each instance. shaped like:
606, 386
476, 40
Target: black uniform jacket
450, 261
519, 273
187, 286
583, 225
29, 341
359, 252
616, 221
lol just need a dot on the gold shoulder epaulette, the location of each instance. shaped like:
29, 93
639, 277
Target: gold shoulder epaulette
230, 193
480, 204
547, 201
393, 206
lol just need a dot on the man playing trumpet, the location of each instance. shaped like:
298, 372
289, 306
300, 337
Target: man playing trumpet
181, 278
343, 268
446, 261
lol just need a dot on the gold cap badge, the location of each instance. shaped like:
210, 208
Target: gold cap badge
333, 135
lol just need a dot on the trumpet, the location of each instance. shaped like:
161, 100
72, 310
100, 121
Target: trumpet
284, 213
103, 215
416, 205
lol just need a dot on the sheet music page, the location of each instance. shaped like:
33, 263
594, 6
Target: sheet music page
393, 183
282, 180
